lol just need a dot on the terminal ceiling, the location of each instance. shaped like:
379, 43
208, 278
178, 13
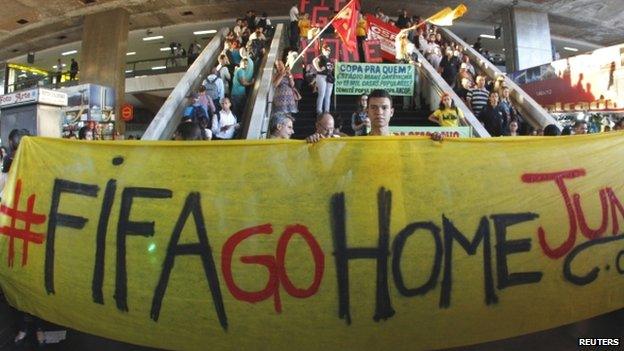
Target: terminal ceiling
32, 25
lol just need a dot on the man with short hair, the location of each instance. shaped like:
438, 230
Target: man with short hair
282, 127
580, 127
379, 111
224, 124
324, 128
492, 117
477, 98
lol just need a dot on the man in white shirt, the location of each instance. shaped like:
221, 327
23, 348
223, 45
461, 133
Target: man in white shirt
224, 122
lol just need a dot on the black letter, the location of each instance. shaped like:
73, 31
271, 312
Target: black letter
202, 248
64, 220
397, 250
593, 274
100, 246
127, 227
505, 247
342, 254
451, 233
618, 262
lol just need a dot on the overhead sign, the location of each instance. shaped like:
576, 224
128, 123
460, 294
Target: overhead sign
447, 132
40, 95
362, 78
352, 243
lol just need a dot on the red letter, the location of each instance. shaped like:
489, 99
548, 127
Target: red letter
272, 287
317, 254
585, 230
615, 204
558, 177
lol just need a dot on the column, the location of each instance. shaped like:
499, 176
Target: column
527, 38
103, 54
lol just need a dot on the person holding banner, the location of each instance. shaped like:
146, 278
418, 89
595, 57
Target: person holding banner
324, 79
447, 114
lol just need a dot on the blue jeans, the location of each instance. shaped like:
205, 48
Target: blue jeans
325, 90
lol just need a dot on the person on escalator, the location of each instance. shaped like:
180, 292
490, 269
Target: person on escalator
449, 66
241, 80
477, 97
492, 117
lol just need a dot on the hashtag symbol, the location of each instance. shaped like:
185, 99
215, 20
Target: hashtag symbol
28, 217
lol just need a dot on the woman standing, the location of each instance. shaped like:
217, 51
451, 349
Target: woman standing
447, 114
324, 79
284, 84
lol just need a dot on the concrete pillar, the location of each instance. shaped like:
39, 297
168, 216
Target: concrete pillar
103, 54
526, 35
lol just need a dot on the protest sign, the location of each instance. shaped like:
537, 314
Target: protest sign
447, 132
385, 33
361, 78
364, 243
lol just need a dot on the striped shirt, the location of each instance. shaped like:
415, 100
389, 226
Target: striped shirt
478, 99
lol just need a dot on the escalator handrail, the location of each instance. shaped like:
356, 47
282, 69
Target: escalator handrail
533, 112
257, 113
168, 117
442, 87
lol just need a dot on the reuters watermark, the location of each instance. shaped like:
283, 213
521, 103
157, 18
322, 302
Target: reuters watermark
599, 342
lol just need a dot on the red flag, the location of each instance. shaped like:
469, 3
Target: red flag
345, 24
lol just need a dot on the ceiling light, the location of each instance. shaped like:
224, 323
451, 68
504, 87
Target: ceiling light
488, 36
129, 71
130, 53
165, 49
570, 49
155, 68
202, 32
71, 52
23, 75
153, 38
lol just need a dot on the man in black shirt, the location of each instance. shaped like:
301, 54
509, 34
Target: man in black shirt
492, 117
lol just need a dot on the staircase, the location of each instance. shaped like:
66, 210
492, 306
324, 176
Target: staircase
346, 105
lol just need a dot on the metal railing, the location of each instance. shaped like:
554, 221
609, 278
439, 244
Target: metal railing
438, 86
258, 108
532, 112
168, 117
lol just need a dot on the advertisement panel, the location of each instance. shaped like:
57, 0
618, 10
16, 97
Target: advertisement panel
592, 81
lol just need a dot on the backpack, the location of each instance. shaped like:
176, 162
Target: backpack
211, 88
256, 48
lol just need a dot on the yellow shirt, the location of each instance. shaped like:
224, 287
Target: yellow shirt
304, 27
362, 28
449, 117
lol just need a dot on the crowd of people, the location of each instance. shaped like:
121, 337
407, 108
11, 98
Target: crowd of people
215, 109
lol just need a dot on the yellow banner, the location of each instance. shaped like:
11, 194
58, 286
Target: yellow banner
399, 243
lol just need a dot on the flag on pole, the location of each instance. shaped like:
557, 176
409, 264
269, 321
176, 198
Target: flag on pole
345, 24
446, 16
